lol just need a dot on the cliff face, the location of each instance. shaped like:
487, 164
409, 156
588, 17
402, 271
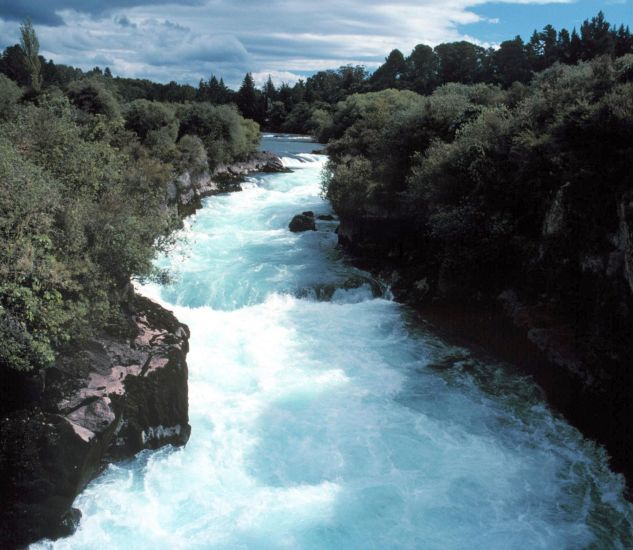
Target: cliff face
188, 188
569, 303
109, 399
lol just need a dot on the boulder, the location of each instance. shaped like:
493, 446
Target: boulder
301, 222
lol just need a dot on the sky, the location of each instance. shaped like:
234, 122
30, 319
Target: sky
187, 40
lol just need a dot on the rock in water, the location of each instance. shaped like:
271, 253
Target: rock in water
301, 222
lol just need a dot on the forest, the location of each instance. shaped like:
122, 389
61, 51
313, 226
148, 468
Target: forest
309, 104
83, 201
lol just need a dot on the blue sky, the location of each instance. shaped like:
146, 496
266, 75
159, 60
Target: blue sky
191, 39
524, 18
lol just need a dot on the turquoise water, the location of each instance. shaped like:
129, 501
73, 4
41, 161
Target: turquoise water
321, 419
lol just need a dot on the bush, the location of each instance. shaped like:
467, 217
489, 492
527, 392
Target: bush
192, 155
146, 117
69, 204
226, 135
91, 96
10, 93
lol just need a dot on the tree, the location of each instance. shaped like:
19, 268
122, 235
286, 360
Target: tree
563, 45
596, 36
31, 47
510, 62
460, 62
12, 64
247, 98
575, 47
390, 73
91, 96
9, 95
146, 117
422, 67
269, 91
623, 41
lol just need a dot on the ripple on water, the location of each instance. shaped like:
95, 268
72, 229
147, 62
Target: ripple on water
326, 421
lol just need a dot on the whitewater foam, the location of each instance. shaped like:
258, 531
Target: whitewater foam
326, 423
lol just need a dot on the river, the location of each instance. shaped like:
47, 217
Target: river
323, 416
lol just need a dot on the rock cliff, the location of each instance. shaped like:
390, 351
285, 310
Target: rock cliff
569, 305
109, 398
189, 188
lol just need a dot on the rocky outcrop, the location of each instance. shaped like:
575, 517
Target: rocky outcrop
302, 222
262, 161
189, 188
108, 399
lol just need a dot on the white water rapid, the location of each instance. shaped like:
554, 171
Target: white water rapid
319, 421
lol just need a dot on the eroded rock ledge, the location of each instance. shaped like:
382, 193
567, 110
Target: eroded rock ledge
109, 399
189, 188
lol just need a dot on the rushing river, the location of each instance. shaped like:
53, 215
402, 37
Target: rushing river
322, 416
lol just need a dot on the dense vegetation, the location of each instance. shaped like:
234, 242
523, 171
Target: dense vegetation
477, 166
467, 138
524, 186
84, 175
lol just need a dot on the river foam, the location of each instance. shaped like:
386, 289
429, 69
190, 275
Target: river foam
329, 420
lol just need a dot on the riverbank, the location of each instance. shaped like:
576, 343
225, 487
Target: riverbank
104, 400
323, 417
190, 188
585, 377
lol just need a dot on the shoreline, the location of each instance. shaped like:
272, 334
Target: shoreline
515, 332
105, 400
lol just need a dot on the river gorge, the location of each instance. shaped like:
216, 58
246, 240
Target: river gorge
324, 415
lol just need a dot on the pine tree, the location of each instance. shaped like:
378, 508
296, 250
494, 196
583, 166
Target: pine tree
247, 98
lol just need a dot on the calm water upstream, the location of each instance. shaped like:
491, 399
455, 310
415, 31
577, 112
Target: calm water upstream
319, 421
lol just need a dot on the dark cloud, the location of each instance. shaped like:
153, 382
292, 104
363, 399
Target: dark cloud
125, 22
45, 12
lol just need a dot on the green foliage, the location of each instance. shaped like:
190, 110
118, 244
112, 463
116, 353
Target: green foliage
247, 99
226, 135
10, 93
349, 184
391, 126
91, 96
78, 217
475, 168
31, 48
192, 155
146, 117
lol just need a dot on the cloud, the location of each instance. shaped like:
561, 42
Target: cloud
187, 40
125, 22
46, 12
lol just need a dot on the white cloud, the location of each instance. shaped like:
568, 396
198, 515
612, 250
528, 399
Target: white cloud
286, 39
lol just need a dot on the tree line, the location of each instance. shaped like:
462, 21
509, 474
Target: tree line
292, 108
